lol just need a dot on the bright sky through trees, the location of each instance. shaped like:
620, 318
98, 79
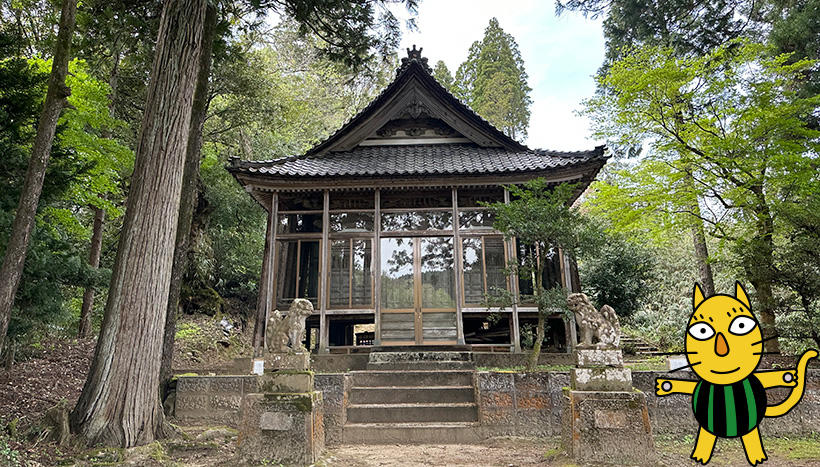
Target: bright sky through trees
561, 55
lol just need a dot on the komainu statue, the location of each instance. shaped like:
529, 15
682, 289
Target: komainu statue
289, 327
603, 325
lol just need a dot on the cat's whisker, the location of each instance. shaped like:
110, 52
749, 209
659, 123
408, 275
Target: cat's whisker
675, 353
684, 367
765, 353
765, 339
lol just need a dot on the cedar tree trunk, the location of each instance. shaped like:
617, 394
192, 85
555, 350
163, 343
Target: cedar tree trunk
760, 268
537, 280
119, 404
188, 198
56, 99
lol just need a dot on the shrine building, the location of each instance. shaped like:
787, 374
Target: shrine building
381, 226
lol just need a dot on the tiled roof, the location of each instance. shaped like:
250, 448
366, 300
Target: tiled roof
444, 159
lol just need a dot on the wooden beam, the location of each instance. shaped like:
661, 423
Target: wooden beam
512, 254
375, 267
459, 270
566, 279
263, 304
324, 332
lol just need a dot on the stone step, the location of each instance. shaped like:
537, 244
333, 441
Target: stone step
405, 395
408, 413
422, 348
423, 365
392, 357
411, 378
412, 433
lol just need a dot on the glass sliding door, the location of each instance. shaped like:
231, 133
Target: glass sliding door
398, 294
417, 291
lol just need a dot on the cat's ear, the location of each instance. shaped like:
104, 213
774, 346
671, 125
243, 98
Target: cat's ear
740, 295
697, 296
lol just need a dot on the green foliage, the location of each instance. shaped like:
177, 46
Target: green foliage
493, 82
617, 274
55, 263
442, 74
188, 331
8, 456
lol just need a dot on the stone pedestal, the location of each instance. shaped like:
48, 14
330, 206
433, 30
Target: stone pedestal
287, 361
282, 429
608, 427
605, 419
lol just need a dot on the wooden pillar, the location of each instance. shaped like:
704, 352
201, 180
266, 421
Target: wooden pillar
512, 254
566, 279
324, 332
459, 268
375, 267
263, 304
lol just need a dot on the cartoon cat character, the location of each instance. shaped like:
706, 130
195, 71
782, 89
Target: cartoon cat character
724, 345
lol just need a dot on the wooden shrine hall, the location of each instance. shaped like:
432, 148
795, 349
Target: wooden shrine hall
382, 225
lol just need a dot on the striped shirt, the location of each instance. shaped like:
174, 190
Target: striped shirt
729, 410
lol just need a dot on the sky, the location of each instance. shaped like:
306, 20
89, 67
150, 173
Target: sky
561, 55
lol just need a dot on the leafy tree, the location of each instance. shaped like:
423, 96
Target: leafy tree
738, 135
617, 274
493, 82
15, 252
442, 74
540, 217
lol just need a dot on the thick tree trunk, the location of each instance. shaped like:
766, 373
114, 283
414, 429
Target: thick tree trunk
699, 241
119, 404
190, 176
94, 262
56, 99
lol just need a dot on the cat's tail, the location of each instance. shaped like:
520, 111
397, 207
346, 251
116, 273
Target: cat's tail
797, 392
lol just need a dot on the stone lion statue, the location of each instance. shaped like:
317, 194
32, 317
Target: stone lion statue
282, 328
603, 325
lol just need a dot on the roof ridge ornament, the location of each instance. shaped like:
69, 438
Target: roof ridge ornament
414, 55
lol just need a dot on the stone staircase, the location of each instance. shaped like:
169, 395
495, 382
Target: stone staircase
413, 396
638, 345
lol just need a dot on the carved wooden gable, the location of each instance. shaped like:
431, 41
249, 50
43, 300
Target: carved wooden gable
415, 109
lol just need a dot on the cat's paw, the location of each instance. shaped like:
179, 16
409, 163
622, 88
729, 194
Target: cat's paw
663, 387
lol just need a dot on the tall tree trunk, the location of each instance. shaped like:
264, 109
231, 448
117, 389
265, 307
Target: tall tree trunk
56, 99
119, 404
699, 241
95, 248
190, 175
760, 269
94, 262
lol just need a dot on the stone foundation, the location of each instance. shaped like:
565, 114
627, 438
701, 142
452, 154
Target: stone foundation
609, 427
282, 428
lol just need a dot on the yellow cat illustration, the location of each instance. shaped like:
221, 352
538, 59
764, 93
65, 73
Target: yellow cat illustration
723, 346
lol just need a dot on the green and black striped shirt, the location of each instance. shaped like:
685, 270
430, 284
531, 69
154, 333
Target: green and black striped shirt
729, 410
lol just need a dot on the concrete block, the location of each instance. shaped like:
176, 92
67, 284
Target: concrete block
282, 428
601, 379
608, 427
597, 357
287, 361
286, 381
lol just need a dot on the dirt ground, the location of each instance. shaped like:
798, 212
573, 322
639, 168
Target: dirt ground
57, 371
521, 452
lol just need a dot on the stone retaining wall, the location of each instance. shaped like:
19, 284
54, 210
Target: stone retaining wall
510, 404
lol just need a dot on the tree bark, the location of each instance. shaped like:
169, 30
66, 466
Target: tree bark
119, 404
95, 249
56, 100
699, 241
94, 262
760, 269
188, 197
